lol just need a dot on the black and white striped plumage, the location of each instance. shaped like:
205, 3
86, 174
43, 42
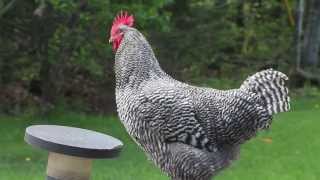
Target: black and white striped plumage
190, 132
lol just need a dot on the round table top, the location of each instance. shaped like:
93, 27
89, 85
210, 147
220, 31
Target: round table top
73, 141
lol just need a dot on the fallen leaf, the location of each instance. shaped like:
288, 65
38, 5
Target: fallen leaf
267, 140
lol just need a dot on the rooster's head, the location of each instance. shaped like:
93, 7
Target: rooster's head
116, 33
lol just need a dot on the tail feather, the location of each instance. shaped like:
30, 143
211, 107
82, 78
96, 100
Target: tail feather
270, 86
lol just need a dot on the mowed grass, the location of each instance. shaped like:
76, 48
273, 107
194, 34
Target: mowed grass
288, 151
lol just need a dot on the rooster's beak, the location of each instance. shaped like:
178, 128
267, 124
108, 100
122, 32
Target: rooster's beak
110, 40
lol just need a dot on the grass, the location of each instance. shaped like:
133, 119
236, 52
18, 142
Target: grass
289, 151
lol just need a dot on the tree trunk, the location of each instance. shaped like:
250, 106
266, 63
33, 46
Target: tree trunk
299, 33
312, 35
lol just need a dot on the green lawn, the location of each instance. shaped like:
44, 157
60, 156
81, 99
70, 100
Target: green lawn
289, 151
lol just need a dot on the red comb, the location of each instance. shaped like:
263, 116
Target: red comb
123, 18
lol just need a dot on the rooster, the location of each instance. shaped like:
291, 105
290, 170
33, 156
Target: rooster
189, 132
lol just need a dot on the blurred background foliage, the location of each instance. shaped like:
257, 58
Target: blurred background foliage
55, 52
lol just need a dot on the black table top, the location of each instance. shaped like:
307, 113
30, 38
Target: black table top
73, 141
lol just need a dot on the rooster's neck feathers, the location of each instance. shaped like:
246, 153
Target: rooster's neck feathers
135, 61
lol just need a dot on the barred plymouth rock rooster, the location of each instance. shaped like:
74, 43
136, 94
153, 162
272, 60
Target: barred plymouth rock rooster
189, 132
